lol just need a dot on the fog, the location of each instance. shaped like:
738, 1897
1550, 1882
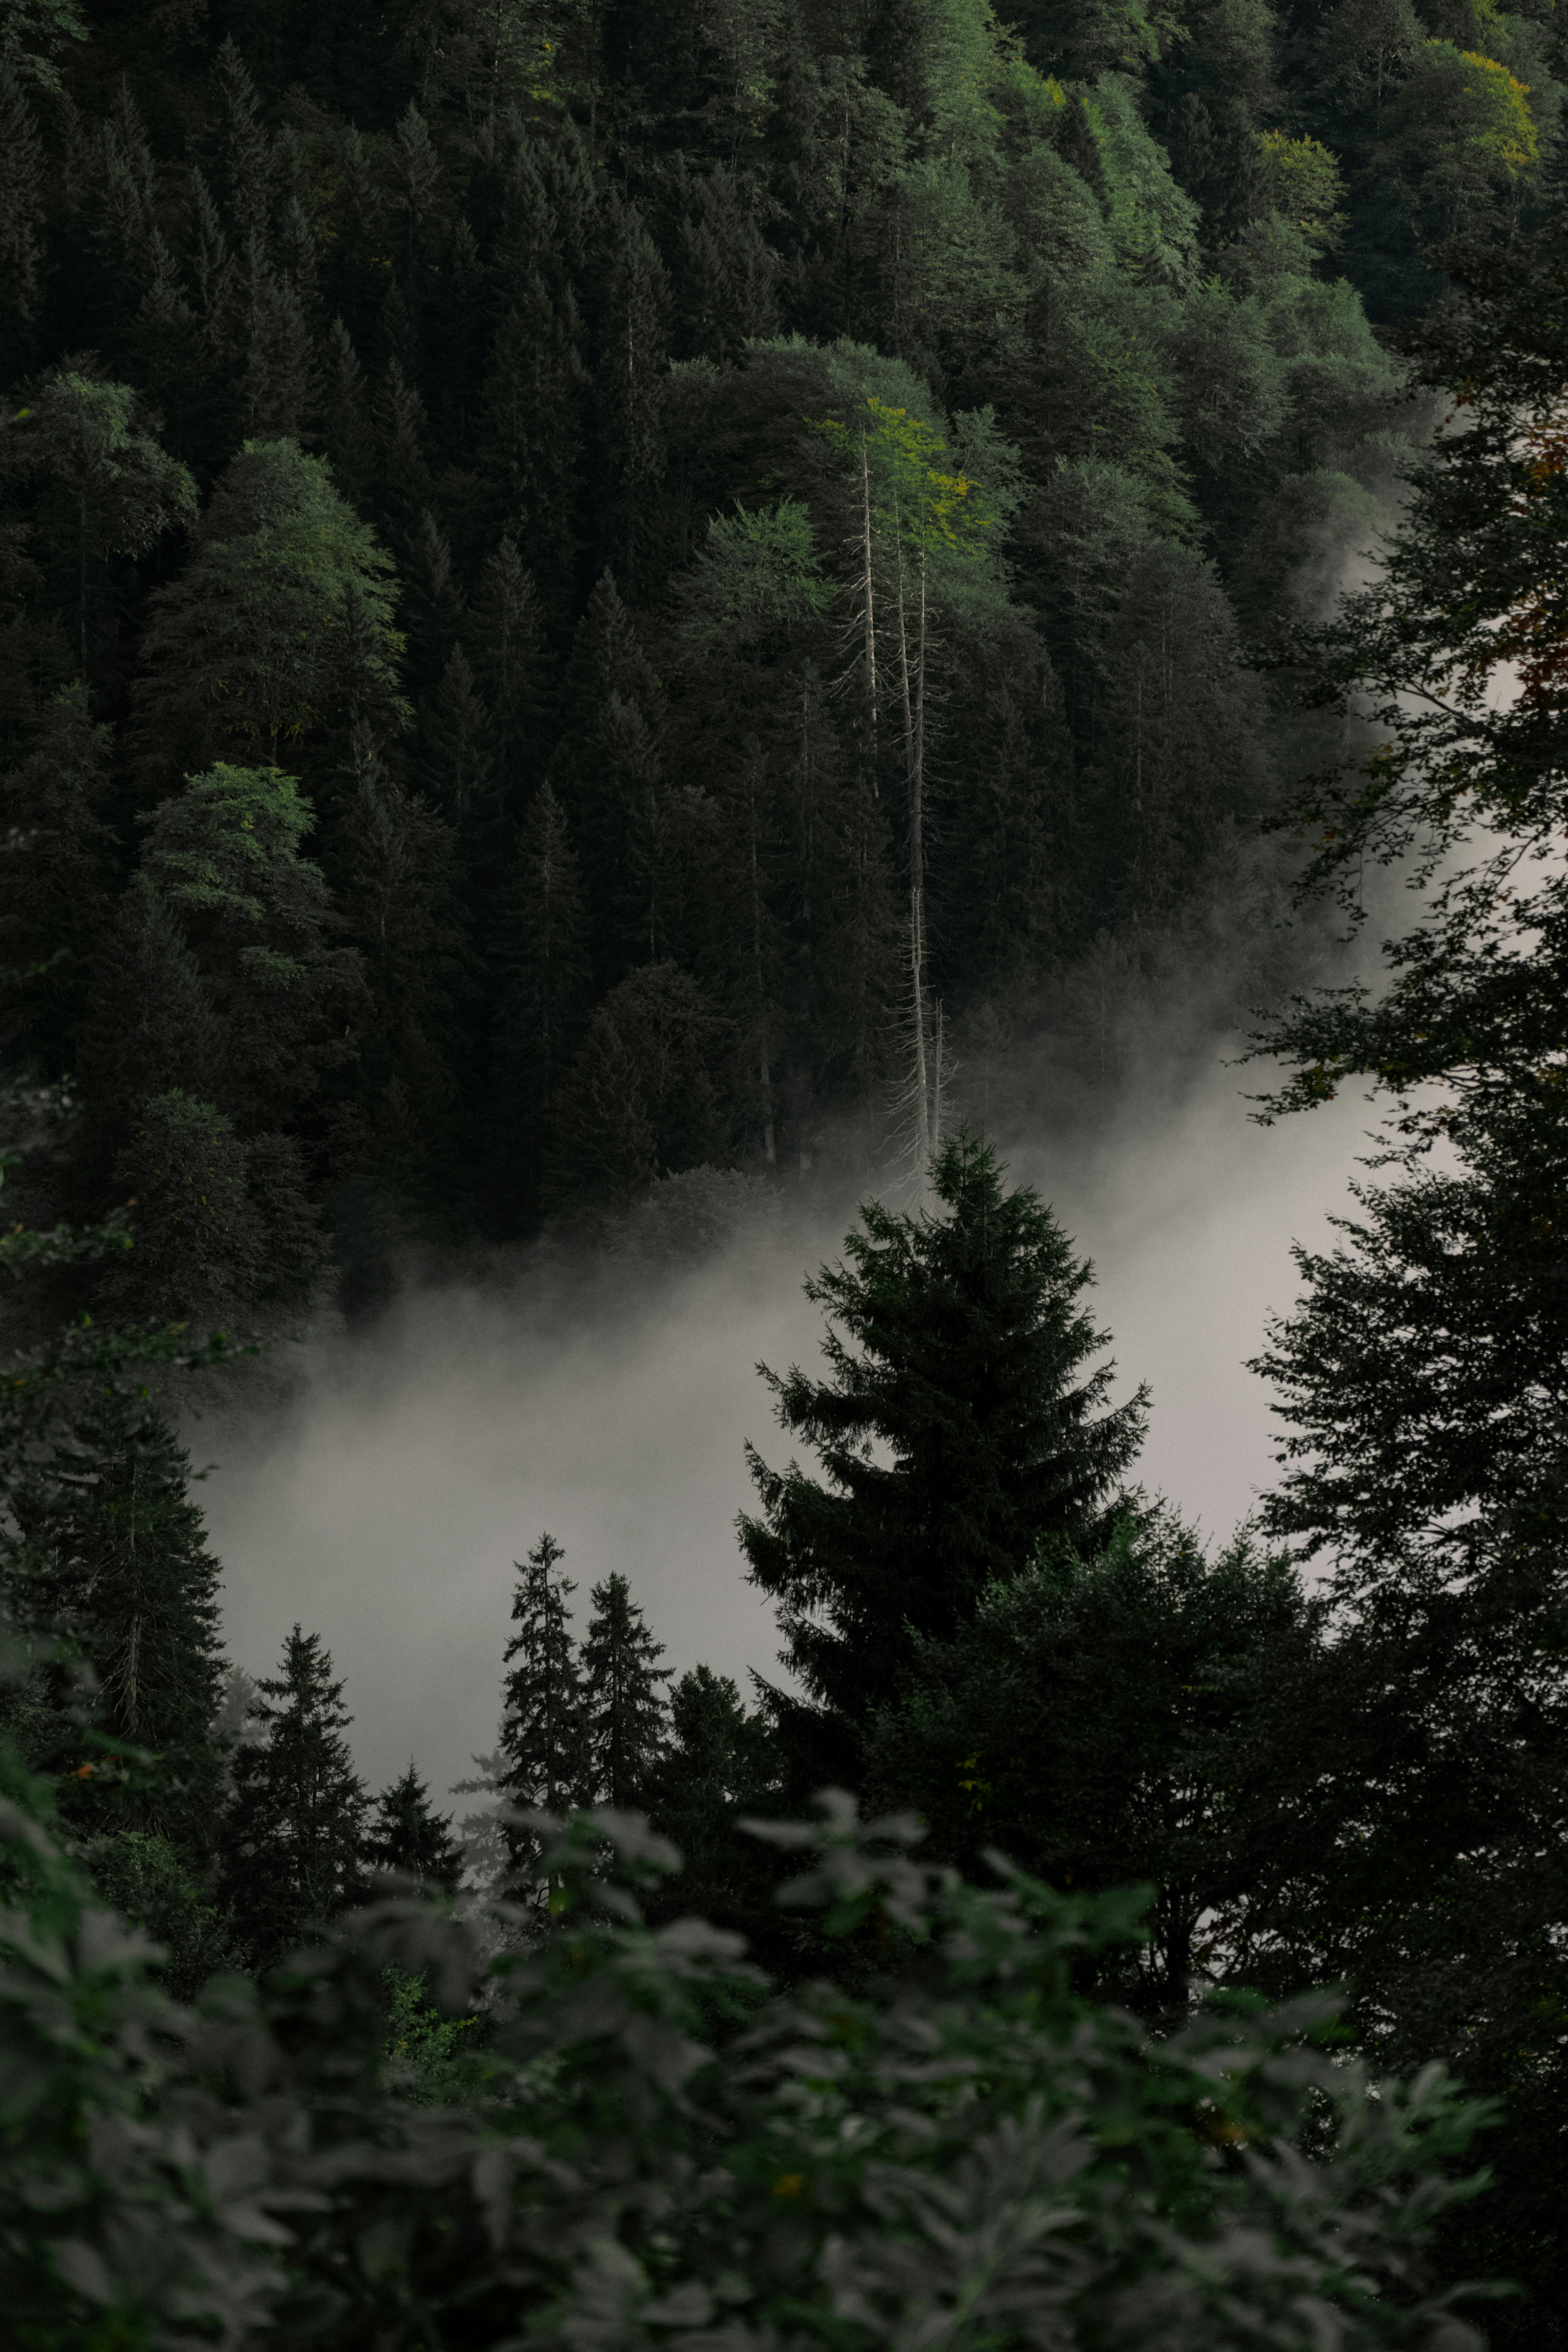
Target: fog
383, 1502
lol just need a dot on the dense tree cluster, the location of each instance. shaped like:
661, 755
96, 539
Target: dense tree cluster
581, 587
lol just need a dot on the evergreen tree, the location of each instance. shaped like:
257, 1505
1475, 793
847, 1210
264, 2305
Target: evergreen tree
640, 1100
505, 642
540, 951
961, 1359
544, 1731
22, 219
408, 1836
151, 1026
632, 363
622, 1704
224, 856
54, 887
719, 1765
198, 1243
250, 644
291, 1839
121, 1564
531, 433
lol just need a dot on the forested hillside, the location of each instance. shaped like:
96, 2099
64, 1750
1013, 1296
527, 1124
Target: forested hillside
611, 604
583, 590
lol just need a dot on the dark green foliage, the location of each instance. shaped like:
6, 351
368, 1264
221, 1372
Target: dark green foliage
958, 1426
720, 1766
991, 2138
543, 1737
54, 894
291, 1837
623, 1706
120, 1563
1100, 1715
640, 1100
404, 1836
542, 952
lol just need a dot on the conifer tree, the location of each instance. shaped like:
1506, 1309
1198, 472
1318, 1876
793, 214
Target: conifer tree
224, 856
23, 252
506, 643
54, 885
152, 1025
607, 760
347, 432
121, 1564
531, 432
543, 1730
455, 748
198, 1248
624, 1705
292, 1837
633, 360
406, 1835
719, 1765
640, 1100
540, 951
960, 1354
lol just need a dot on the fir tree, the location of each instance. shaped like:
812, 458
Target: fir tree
540, 951
22, 209
347, 434
960, 1357
543, 1730
291, 1839
54, 886
121, 1564
408, 1836
632, 365
625, 1708
153, 1025
532, 434
505, 642
719, 1765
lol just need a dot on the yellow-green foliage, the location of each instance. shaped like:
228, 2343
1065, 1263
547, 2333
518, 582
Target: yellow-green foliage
1304, 185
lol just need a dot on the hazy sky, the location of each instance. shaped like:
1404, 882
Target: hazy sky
385, 1505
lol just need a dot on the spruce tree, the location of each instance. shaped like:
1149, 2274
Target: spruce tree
408, 1836
54, 886
121, 1565
543, 1730
625, 1708
541, 949
506, 643
957, 1427
633, 362
292, 1839
719, 1765
152, 1025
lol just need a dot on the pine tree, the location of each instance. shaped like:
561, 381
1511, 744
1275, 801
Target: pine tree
640, 1100
506, 643
455, 748
408, 1836
121, 1564
719, 1765
23, 252
224, 856
292, 1839
54, 885
540, 952
152, 1025
432, 604
347, 433
624, 1706
959, 1358
543, 1730
198, 1250
628, 379
607, 760
532, 434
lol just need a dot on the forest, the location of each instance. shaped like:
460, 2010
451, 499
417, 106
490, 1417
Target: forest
616, 611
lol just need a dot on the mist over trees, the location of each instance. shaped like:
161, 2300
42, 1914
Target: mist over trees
605, 607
